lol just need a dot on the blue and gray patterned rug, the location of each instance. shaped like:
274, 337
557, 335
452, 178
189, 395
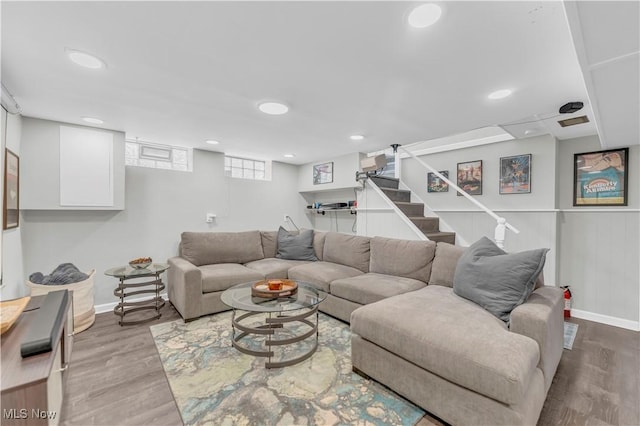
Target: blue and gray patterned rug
213, 383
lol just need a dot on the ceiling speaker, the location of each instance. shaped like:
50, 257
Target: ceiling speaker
570, 107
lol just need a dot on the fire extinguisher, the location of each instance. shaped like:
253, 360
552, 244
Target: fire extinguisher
567, 301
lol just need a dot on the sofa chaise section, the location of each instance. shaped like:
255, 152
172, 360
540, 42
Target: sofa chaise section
457, 360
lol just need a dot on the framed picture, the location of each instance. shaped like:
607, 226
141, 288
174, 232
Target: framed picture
323, 173
435, 184
470, 177
11, 205
515, 174
600, 178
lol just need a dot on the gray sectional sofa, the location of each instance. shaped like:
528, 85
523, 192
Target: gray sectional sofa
411, 332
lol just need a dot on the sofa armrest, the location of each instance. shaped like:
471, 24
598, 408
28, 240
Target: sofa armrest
184, 282
541, 318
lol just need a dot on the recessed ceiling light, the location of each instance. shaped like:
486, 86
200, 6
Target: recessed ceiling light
85, 59
499, 94
356, 137
92, 120
424, 15
212, 142
289, 155
273, 108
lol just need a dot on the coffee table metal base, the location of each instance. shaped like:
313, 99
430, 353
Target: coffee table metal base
269, 330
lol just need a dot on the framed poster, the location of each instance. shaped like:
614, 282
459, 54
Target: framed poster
470, 177
11, 204
322, 173
435, 184
600, 178
515, 174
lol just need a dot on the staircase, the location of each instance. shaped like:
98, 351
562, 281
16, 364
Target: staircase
414, 211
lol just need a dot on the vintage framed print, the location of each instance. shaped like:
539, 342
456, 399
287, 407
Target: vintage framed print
470, 177
600, 178
323, 173
11, 202
515, 174
435, 184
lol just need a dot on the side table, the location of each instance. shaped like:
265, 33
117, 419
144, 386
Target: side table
154, 287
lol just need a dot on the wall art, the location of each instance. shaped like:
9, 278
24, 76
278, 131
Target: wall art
515, 174
470, 177
600, 178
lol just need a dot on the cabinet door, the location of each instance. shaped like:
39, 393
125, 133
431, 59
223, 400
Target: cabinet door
86, 167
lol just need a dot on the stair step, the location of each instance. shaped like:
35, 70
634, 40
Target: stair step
426, 224
411, 209
442, 237
401, 195
386, 182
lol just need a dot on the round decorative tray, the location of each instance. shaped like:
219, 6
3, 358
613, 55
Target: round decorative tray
261, 288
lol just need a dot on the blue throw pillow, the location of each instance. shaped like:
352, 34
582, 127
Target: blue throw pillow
296, 246
496, 280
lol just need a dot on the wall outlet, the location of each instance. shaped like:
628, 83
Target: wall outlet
210, 217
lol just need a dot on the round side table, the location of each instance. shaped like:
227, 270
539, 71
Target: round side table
154, 287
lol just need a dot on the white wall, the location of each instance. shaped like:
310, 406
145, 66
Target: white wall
12, 247
344, 174
160, 204
600, 246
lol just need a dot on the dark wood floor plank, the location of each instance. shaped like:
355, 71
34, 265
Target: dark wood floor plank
116, 378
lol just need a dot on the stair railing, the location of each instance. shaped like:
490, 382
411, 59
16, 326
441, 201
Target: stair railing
502, 224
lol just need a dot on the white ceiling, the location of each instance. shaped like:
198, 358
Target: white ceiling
183, 72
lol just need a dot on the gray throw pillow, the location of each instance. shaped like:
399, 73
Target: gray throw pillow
296, 246
496, 280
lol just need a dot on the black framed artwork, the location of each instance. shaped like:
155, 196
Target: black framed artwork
600, 178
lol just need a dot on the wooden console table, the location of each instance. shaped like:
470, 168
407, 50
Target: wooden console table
32, 387
154, 287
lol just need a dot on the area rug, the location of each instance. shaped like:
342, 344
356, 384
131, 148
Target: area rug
570, 332
213, 383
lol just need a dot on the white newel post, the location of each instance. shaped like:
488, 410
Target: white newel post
396, 155
501, 229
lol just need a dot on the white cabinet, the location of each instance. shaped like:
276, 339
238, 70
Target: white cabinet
68, 167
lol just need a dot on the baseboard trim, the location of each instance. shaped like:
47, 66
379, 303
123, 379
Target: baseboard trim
606, 319
108, 307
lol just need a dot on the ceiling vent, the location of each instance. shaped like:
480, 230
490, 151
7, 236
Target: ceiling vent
573, 121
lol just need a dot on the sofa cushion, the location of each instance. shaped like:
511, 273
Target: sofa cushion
402, 258
318, 243
296, 245
495, 280
221, 276
453, 338
444, 264
209, 248
371, 287
322, 273
348, 250
269, 243
273, 267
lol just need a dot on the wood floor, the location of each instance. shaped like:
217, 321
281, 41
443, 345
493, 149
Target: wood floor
116, 378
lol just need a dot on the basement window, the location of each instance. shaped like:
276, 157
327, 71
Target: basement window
157, 156
245, 168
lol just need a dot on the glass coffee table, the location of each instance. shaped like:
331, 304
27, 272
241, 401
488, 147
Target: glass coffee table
279, 324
